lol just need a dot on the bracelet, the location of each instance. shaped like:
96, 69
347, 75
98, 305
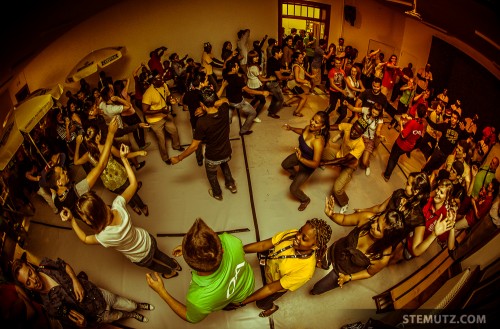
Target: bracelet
350, 277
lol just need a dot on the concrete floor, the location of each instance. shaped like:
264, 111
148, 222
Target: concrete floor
176, 195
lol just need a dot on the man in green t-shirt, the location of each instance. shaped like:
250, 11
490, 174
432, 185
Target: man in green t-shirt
220, 275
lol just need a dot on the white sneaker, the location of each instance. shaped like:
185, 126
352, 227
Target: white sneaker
343, 209
257, 120
367, 171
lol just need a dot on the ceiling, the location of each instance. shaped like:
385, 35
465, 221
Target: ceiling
41, 22
36, 25
461, 19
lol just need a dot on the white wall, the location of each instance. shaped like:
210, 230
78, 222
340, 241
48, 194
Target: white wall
183, 26
141, 26
376, 22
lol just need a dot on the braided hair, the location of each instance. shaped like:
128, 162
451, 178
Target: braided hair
323, 235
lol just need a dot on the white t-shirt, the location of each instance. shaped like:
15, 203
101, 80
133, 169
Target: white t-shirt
373, 123
133, 242
109, 111
253, 81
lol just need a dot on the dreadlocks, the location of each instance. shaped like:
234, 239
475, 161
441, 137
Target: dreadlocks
323, 235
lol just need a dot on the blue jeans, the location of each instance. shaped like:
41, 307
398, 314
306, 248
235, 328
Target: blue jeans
299, 177
211, 169
278, 97
248, 110
154, 257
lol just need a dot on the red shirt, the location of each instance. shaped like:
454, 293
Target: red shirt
413, 109
411, 132
431, 216
390, 75
337, 76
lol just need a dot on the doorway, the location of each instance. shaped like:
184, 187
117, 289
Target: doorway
303, 15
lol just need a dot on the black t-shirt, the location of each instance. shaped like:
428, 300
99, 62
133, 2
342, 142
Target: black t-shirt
213, 130
413, 217
368, 98
451, 136
234, 88
273, 65
192, 99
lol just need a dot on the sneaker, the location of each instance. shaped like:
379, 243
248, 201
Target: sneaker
368, 171
257, 120
248, 132
140, 165
274, 116
138, 317
145, 306
217, 197
344, 209
232, 188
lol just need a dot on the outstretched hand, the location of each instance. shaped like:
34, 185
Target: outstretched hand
66, 214
155, 282
329, 206
343, 278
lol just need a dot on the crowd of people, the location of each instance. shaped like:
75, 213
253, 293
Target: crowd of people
453, 191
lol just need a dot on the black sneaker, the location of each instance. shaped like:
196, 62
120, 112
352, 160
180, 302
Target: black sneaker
138, 317
145, 306
274, 116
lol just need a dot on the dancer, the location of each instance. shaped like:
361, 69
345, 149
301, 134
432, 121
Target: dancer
364, 252
411, 131
114, 176
220, 275
298, 83
113, 227
213, 129
307, 156
291, 262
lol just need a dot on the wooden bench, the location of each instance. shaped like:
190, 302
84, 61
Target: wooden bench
413, 291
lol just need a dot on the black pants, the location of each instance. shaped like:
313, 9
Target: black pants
138, 134
396, 152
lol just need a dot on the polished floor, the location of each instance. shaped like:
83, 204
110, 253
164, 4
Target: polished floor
176, 195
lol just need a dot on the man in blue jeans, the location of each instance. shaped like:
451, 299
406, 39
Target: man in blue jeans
212, 128
274, 70
234, 92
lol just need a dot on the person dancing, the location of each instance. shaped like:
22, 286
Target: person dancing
312, 141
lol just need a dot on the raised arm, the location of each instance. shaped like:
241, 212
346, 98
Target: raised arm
77, 160
94, 174
377, 208
130, 190
355, 219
